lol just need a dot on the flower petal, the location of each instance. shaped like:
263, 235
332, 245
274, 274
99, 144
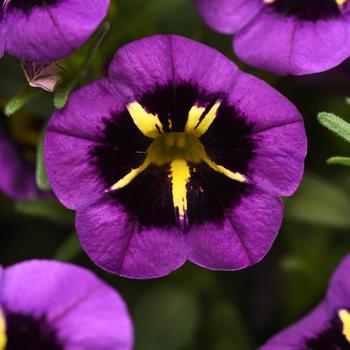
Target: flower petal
287, 45
63, 27
17, 177
244, 237
228, 16
86, 313
294, 336
115, 242
278, 135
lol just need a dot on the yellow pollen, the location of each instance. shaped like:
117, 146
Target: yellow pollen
180, 176
3, 337
344, 316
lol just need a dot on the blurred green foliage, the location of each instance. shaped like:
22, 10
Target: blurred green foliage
195, 308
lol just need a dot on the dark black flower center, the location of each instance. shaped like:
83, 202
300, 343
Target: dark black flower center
27, 5
309, 10
185, 166
27, 333
333, 337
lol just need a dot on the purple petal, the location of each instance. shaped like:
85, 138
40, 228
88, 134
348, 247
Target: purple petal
17, 177
278, 134
294, 336
71, 134
116, 243
228, 16
287, 45
63, 27
243, 239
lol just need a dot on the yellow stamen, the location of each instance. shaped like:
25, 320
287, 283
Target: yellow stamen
344, 316
340, 2
3, 337
147, 123
219, 168
130, 176
180, 175
195, 125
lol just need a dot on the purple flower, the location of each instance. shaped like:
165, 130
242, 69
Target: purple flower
58, 306
176, 155
47, 30
327, 327
284, 36
18, 140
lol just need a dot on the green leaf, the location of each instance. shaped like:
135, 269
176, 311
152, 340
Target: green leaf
46, 208
339, 160
319, 201
227, 329
41, 176
336, 124
166, 318
62, 93
20, 100
69, 249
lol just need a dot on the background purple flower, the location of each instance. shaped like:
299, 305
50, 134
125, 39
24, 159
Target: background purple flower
48, 30
327, 327
17, 176
229, 212
283, 36
59, 306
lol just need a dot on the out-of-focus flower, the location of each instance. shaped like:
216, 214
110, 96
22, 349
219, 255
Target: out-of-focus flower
327, 327
176, 155
58, 306
48, 30
44, 75
284, 36
19, 136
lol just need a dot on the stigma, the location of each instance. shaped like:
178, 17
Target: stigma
181, 152
3, 337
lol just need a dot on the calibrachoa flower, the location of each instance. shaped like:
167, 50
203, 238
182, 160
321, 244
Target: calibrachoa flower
18, 140
48, 30
49, 305
327, 327
284, 36
176, 155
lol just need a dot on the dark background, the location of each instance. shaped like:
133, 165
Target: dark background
195, 308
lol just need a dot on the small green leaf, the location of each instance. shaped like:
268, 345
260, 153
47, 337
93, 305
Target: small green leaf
19, 100
336, 124
347, 100
69, 249
339, 160
46, 208
62, 93
319, 201
41, 176
166, 318
102, 31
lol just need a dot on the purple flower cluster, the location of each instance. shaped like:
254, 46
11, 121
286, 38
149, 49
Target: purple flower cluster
176, 156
